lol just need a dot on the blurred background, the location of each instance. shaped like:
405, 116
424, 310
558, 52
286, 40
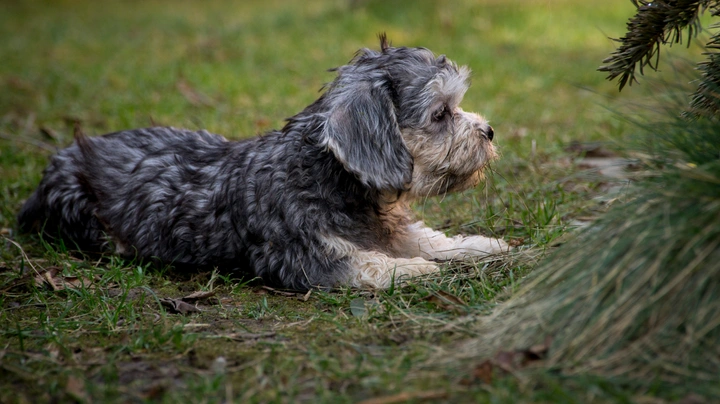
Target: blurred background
241, 67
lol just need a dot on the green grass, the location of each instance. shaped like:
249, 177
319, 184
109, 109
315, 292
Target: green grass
240, 68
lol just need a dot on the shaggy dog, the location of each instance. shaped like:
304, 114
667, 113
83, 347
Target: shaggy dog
322, 203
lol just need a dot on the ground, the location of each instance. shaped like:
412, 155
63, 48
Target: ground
76, 328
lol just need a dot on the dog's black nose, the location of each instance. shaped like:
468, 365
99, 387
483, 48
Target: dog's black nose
490, 133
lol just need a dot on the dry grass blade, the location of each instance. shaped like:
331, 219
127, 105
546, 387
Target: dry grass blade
178, 306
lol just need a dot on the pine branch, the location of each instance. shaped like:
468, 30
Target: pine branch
705, 101
656, 23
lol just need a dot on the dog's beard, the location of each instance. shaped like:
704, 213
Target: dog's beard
454, 163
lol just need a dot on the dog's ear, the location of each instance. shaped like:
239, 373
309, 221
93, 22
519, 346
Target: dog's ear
363, 134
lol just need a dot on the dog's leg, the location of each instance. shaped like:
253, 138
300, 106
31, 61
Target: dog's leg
377, 270
422, 241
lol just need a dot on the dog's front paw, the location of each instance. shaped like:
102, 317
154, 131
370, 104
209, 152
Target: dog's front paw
479, 246
378, 271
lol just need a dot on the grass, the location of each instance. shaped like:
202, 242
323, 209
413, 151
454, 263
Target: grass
104, 330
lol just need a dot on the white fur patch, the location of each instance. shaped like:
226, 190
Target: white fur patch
422, 241
376, 270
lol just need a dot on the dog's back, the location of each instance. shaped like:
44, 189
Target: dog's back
64, 204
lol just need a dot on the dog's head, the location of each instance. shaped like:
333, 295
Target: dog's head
394, 121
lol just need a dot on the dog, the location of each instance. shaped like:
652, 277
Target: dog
324, 202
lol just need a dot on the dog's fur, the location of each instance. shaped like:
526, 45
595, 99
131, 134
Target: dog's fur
323, 202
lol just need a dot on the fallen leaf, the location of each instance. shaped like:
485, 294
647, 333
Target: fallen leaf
178, 306
52, 277
197, 296
75, 282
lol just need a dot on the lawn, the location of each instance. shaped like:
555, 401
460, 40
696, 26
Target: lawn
75, 328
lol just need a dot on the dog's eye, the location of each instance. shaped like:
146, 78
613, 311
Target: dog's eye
440, 114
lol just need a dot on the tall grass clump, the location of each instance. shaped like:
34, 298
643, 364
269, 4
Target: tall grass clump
637, 294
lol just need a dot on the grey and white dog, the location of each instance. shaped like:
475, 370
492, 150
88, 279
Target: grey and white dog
322, 203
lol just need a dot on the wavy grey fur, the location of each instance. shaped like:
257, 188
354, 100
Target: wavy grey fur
262, 205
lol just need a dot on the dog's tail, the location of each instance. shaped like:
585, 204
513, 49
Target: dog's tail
38, 210
32, 214
63, 205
